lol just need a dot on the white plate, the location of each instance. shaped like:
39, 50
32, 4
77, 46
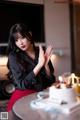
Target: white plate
49, 105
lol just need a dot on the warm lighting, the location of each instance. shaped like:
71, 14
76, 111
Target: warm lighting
60, 78
58, 53
3, 67
3, 60
72, 79
53, 57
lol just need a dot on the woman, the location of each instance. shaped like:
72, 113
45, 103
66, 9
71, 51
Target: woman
29, 66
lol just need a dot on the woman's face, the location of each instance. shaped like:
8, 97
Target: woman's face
22, 43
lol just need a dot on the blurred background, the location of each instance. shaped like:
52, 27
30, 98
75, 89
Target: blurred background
53, 22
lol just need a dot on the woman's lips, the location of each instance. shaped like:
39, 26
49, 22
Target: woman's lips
23, 46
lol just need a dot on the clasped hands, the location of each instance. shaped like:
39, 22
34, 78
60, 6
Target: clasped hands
44, 56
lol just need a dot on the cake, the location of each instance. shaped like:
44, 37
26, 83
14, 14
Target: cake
65, 89
62, 95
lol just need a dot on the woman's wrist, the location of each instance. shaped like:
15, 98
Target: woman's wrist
47, 70
37, 69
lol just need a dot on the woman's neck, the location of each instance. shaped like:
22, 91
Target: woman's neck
31, 52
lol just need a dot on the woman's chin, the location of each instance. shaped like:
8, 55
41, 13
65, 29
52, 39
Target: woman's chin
23, 49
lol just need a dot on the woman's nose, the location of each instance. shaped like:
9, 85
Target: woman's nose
20, 42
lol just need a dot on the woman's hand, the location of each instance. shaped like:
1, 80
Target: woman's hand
48, 53
47, 57
41, 59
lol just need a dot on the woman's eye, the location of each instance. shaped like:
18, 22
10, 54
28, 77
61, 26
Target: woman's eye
22, 37
16, 40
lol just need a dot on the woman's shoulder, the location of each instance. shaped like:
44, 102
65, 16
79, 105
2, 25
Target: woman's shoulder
12, 55
16, 56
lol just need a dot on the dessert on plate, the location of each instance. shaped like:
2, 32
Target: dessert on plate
62, 92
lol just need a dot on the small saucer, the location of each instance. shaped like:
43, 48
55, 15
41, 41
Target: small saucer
37, 104
43, 95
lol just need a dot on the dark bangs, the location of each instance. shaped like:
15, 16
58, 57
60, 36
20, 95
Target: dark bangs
23, 33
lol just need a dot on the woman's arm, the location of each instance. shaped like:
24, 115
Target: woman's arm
44, 60
47, 57
41, 61
23, 79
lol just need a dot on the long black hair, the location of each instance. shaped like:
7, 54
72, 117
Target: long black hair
21, 29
